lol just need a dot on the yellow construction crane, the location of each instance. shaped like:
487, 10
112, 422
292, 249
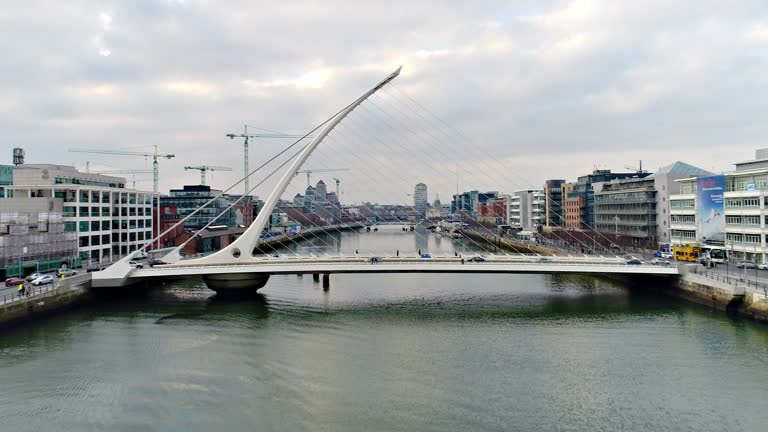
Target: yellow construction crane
154, 156
204, 168
309, 171
245, 137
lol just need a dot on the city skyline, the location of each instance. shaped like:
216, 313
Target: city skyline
520, 81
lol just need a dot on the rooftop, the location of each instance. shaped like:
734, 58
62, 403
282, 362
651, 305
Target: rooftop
682, 168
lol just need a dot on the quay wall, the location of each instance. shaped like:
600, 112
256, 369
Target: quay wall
69, 293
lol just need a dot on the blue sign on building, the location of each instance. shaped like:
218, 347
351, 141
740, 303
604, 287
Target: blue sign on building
710, 208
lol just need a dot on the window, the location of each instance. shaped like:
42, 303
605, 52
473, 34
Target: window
70, 211
105, 239
732, 220
105, 211
688, 204
735, 238
105, 225
95, 225
84, 226
752, 202
751, 220
752, 238
733, 203
95, 241
70, 226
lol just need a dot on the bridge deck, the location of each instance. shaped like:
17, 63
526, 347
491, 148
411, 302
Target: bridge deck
361, 264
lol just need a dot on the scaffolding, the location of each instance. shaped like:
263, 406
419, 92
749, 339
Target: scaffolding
31, 242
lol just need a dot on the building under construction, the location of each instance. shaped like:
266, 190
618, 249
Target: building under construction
33, 238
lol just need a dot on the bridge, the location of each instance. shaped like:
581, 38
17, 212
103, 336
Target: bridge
238, 267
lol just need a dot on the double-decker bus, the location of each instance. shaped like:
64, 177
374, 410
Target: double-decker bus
716, 254
687, 252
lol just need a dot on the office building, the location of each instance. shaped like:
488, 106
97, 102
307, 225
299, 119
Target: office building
108, 220
420, 199
191, 197
727, 210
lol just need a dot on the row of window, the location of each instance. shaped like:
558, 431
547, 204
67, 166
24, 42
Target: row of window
86, 226
105, 211
684, 219
639, 207
684, 235
627, 196
744, 238
86, 241
730, 203
743, 220
625, 218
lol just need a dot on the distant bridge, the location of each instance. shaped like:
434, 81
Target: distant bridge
236, 268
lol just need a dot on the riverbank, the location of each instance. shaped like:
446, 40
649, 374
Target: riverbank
732, 296
271, 245
497, 243
46, 300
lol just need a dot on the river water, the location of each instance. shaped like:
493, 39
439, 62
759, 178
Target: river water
388, 353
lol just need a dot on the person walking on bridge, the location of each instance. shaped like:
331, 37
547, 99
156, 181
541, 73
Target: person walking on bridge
21, 290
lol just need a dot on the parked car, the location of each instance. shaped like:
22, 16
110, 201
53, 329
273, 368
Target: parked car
65, 272
425, 256
374, 259
656, 254
762, 266
135, 264
33, 276
476, 258
155, 262
667, 255
43, 280
633, 261
660, 261
13, 281
746, 264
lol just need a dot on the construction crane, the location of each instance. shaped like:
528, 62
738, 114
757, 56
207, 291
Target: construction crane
154, 156
639, 169
204, 168
309, 172
245, 137
337, 188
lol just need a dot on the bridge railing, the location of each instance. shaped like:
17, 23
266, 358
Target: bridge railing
736, 278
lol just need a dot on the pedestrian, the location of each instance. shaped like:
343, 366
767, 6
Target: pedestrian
21, 290
397, 253
462, 261
419, 252
356, 253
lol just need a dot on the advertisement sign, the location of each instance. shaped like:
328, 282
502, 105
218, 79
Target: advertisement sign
751, 187
710, 208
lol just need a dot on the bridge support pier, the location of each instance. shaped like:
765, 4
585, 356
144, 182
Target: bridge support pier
326, 282
235, 283
315, 277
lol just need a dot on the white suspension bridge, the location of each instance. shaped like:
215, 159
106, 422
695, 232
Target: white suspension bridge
236, 267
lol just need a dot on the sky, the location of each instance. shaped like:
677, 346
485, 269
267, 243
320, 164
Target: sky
518, 92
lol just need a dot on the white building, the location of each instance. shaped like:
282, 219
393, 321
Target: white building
110, 220
526, 208
744, 207
420, 200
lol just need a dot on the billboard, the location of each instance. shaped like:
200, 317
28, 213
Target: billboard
710, 208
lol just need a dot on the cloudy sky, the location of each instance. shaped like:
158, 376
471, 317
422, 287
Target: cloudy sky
532, 89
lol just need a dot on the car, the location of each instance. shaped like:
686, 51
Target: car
762, 266
43, 280
656, 254
476, 258
155, 262
746, 264
633, 261
660, 261
374, 259
13, 281
425, 256
135, 264
33, 276
544, 259
666, 255
65, 272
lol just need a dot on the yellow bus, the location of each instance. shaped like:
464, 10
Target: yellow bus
688, 252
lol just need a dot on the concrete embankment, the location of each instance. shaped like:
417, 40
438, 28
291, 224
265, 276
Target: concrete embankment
494, 243
46, 300
736, 300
